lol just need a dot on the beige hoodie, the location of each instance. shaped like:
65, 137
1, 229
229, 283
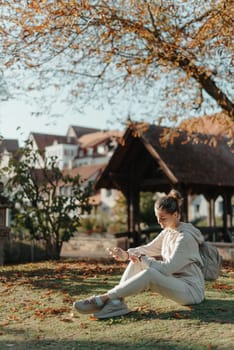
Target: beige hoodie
179, 249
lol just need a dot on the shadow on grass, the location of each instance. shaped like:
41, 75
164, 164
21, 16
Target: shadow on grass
73, 278
210, 310
156, 344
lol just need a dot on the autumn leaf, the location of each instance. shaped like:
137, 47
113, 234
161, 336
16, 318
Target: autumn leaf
93, 318
222, 286
66, 319
50, 311
178, 315
83, 325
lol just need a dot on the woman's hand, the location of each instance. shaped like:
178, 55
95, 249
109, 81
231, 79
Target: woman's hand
118, 254
134, 258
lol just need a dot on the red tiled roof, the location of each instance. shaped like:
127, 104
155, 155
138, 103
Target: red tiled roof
82, 130
96, 138
86, 171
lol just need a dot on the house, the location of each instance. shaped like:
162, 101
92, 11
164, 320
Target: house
97, 147
8, 149
198, 208
88, 173
75, 131
81, 146
83, 151
53, 146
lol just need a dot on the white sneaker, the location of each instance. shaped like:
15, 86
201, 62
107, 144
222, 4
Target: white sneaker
113, 308
88, 306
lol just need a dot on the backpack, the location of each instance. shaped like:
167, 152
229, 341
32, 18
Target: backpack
212, 261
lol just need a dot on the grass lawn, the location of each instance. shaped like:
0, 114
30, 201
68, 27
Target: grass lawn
36, 312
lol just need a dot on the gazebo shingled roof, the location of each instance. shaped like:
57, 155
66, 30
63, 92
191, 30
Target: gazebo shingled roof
198, 165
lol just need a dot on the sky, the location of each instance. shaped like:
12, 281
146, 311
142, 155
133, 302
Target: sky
16, 121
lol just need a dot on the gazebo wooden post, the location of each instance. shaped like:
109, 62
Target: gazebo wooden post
134, 214
128, 213
185, 207
211, 210
227, 216
184, 192
211, 197
213, 218
224, 214
229, 211
131, 212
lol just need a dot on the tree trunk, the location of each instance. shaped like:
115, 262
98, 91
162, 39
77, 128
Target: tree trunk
52, 250
207, 84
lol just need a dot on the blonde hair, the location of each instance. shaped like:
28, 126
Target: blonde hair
171, 203
176, 195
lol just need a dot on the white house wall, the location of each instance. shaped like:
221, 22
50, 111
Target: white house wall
4, 160
108, 198
65, 154
40, 162
200, 207
90, 161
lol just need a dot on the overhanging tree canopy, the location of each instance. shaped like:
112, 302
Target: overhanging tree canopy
115, 44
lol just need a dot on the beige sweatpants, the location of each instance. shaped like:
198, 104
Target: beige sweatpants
138, 278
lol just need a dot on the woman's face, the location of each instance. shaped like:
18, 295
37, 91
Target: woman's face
166, 219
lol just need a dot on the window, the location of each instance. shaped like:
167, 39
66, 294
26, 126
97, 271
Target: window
108, 193
197, 208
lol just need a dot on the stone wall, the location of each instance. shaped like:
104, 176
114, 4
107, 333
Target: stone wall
226, 250
92, 246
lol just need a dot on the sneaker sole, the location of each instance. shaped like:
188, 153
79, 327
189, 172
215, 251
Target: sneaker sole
113, 314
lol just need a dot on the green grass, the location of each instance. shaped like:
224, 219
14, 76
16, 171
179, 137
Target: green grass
36, 312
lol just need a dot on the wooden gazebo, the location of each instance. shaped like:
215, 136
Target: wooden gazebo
192, 165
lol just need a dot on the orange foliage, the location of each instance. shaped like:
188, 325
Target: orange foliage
140, 39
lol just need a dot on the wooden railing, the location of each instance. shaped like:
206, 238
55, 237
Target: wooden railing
213, 234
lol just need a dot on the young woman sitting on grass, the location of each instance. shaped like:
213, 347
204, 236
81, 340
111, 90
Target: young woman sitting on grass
169, 265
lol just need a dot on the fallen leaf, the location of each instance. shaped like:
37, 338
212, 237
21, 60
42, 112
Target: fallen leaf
177, 315
67, 319
83, 325
222, 286
93, 318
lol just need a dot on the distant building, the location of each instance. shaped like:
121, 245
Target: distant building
83, 151
81, 146
8, 149
53, 146
97, 147
199, 208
